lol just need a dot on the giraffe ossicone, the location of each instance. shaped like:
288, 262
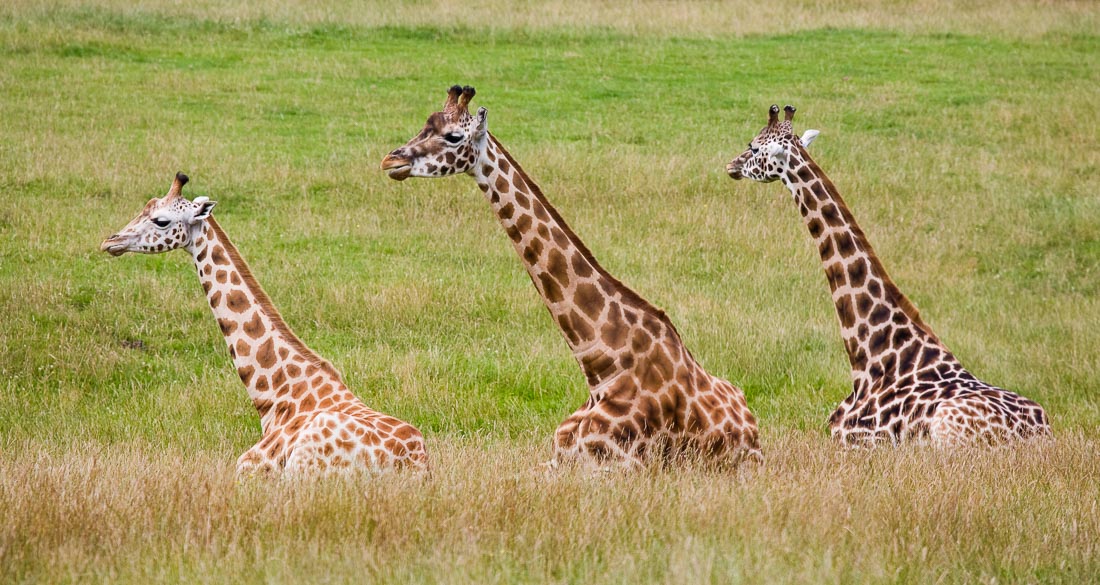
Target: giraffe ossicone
649, 399
906, 383
310, 422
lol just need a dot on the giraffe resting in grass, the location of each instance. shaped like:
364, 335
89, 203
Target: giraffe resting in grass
649, 400
310, 421
906, 383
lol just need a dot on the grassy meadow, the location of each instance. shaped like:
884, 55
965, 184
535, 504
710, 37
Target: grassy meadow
963, 135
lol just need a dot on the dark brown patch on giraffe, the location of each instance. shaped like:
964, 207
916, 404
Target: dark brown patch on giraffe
589, 299
825, 248
262, 384
202, 255
844, 311
206, 284
831, 216
245, 372
298, 389
844, 244
902, 336
550, 288
243, 349
815, 227
857, 272
221, 276
614, 330
819, 191
254, 327
581, 267
293, 370
235, 278
278, 379
501, 183
263, 405
879, 315
219, 257
215, 299
581, 327
540, 211
506, 211
558, 267
513, 233
835, 275
265, 356
863, 304
523, 223
237, 301
523, 200
533, 251
930, 356
879, 340
559, 237
597, 367
307, 404
227, 326
543, 232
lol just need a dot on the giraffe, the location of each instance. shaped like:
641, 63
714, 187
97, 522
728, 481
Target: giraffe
906, 383
311, 423
649, 399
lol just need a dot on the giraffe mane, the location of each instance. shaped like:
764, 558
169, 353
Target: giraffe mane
891, 289
625, 291
269, 309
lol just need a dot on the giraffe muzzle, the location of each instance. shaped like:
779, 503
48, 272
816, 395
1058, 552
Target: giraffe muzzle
397, 167
734, 171
114, 245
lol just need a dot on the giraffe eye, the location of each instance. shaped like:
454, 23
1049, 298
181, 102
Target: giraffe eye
162, 222
453, 137
754, 149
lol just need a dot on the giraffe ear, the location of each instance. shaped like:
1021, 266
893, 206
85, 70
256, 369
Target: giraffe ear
808, 137
203, 207
482, 120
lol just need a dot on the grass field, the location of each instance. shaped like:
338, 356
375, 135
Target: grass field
963, 135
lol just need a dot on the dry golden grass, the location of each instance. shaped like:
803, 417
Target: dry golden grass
1015, 18
489, 513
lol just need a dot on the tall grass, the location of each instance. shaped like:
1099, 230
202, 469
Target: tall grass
490, 514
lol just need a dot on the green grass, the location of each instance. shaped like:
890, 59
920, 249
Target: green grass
966, 147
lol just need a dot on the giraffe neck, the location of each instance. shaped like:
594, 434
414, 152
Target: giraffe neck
597, 314
875, 317
269, 358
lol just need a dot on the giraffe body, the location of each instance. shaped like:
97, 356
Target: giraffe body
310, 421
648, 397
906, 383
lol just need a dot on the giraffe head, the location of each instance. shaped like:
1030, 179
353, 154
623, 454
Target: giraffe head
164, 224
769, 154
450, 143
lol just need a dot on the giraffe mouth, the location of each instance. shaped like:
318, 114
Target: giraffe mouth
397, 168
114, 247
734, 171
